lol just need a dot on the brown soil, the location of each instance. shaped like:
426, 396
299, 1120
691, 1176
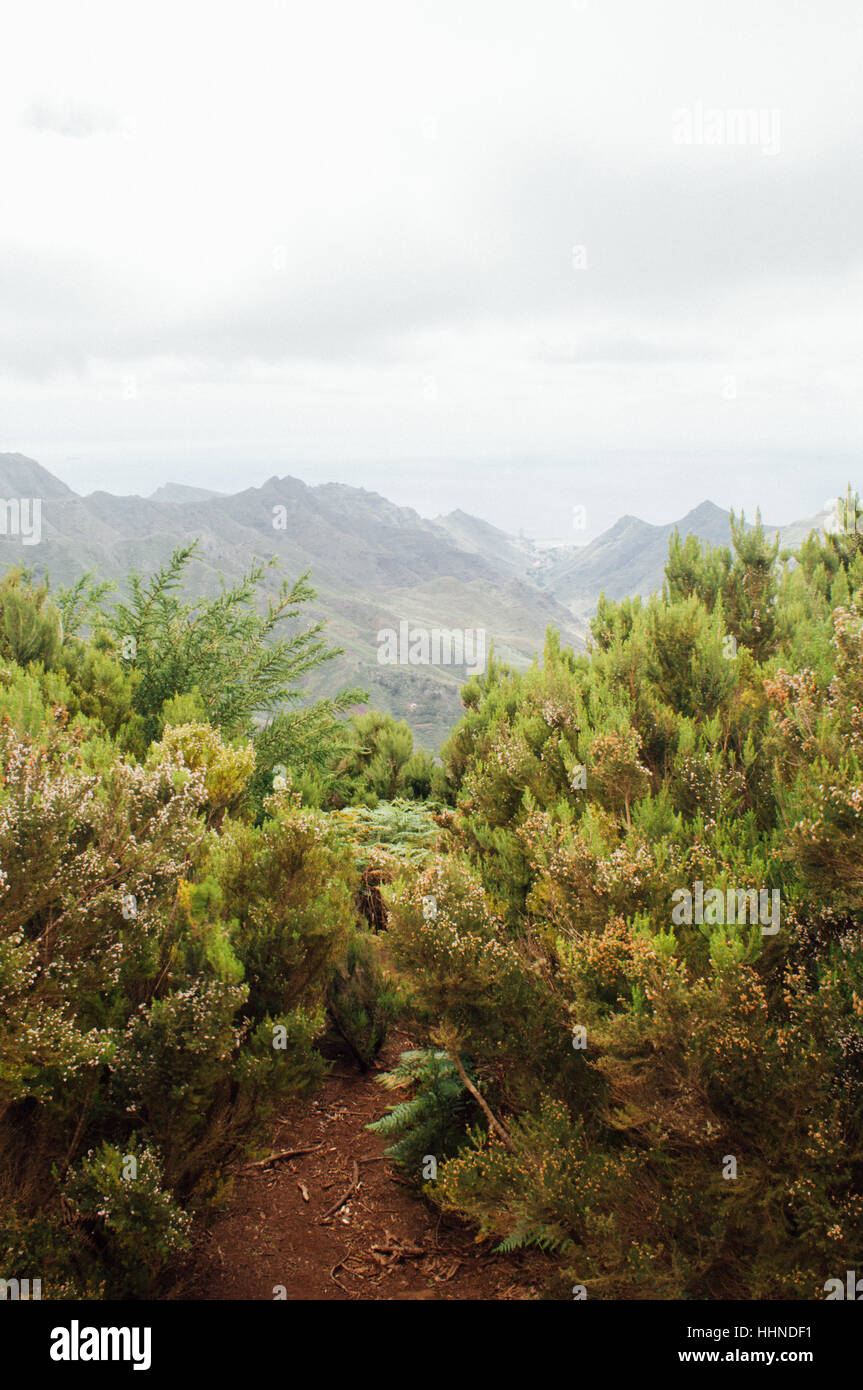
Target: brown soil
384, 1242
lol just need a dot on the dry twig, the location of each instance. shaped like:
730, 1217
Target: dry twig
285, 1153
345, 1195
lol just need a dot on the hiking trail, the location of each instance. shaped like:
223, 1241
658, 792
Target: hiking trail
340, 1222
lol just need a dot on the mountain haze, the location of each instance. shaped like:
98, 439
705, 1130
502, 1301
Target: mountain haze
627, 559
373, 564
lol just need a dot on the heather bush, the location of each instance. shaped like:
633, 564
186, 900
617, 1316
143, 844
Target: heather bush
669, 1104
164, 962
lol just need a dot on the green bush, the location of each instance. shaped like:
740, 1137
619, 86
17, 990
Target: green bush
670, 1107
363, 1001
164, 962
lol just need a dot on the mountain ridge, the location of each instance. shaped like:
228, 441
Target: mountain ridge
373, 563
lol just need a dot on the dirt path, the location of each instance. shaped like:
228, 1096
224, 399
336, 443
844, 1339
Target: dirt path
385, 1242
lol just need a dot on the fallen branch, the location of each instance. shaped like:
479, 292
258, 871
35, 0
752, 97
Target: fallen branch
500, 1130
345, 1195
401, 1252
336, 1281
285, 1153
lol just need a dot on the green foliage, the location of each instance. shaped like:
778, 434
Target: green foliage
30, 627
402, 829
624, 1054
164, 961
363, 1001
382, 842
196, 747
750, 590
431, 1122
186, 848
225, 650
284, 893
135, 1224
379, 763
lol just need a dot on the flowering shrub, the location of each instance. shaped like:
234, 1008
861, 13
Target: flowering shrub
163, 975
671, 1107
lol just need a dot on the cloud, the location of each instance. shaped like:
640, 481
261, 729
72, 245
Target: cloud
679, 262
388, 222
72, 118
624, 345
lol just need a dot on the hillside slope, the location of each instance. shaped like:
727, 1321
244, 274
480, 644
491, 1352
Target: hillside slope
372, 563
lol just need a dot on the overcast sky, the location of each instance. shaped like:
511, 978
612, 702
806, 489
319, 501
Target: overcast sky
514, 257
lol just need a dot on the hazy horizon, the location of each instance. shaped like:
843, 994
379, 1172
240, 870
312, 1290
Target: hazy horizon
785, 488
